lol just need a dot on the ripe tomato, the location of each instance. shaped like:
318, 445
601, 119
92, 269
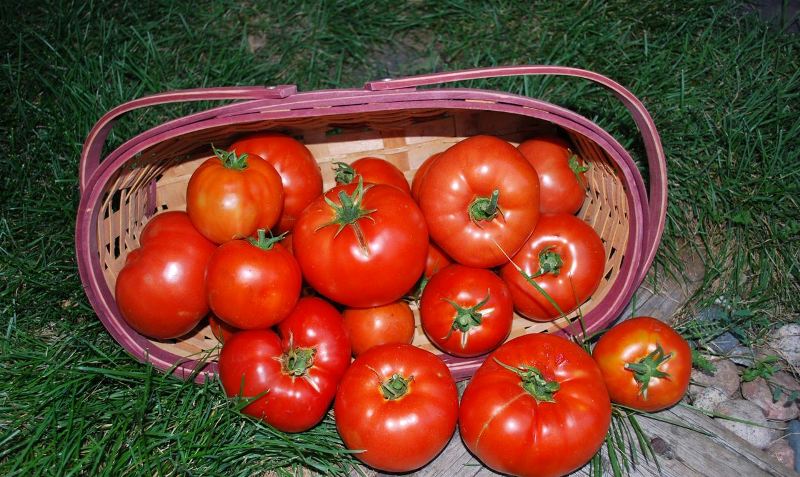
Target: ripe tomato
374, 171
362, 245
221, 330
296, 375
561, 174
419, 176
370, 327
232, 196
565, 257
160, 291
437, 260
537, 407
399, 404
252, 283
645, 363
480, 199
466, 311
300, 174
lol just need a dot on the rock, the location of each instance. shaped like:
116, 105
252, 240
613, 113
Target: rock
725, 378
709, 398
782, 451
724, 343
793, 437
760, 392
742, 355
756, 431
786, 343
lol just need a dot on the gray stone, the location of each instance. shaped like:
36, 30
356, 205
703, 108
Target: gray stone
725, 378
757, 430
782, 451
793, 437
760, 392
709, 398
786, 343
742, 355
724, 343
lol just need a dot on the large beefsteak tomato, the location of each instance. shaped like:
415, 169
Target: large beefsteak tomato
562, 181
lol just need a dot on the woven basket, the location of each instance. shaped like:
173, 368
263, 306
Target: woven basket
390, 119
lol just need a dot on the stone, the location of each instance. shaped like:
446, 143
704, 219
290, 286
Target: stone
742, 355
760, 392
724, 343
725, 378
782, 451
709, 398
793, 437
786, 343
757, 431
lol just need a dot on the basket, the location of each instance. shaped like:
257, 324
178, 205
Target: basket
390, 119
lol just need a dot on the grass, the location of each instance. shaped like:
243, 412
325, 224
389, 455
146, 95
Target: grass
722, 86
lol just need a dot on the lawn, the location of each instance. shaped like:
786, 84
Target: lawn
722, 85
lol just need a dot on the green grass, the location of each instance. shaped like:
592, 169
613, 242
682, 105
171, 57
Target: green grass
722, 86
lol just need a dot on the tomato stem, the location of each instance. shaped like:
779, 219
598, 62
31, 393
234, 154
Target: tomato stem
466, 318
265, 243
396, 387
484, 208
297, 361
345, 174
577, 168
549, 262
230, 160
647, 368
349, 210
534, 382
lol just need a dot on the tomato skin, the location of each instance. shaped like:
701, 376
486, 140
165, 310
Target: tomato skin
397, 435
255, 361
437, 260
221, 330
299, 171
467, 287
562, 190
419, 176
336, 265
471, 170
378, 171
513, 433
629, 342
226, 203
160, 292
251, 288
583, 267
370, 327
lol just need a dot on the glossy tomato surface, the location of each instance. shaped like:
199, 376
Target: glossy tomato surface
250, 287
646, 364
466, 311
160, 292
230, 197
221, 330
373, 170
362, 245
299, 172
399, 404
481, 201
537, 407
419, 176
562, 181
437, 260
370, 327
565, 257
296, 374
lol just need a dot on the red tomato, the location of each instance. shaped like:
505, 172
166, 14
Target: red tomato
537, 407
419, 176
374, 171
481, 201
565, 257
296, 374
160, 291
646, 364
232, 196
399, 404
466, 311
561, 174
300, 174
370, 327
362, 245
252, 283
221, 330
437, 260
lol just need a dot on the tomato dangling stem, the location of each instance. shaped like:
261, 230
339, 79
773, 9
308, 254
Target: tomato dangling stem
647, 368
230, 160
577, 168
344, 173
263, 242
534, 382
484, 208
396, 386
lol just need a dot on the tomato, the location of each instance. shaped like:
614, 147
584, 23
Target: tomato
466, 311
370, 327
562, 181
374, 171
646, 364
537, 407
160, 292
399, 404
232, 196
481, 201
437, 260
252, 283
221, 330
295, 374
565, 257
362, 245
299, 171
419, 176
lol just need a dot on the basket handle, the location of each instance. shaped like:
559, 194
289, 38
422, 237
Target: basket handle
93, 147
656, 160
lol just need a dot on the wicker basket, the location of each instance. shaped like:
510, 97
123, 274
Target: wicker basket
390, 119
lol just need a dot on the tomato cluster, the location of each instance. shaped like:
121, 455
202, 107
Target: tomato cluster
485, 228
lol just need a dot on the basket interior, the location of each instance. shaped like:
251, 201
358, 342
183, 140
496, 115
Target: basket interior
156, 180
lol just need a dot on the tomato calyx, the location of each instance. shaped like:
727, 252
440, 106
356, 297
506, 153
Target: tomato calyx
534, 382
549, 262
396, 386
297, 361
647, 368
577, 168
265, 243
484, 208
466, 318
345, 174
230, 160
348, 212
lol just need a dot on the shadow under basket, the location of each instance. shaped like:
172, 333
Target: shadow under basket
390, 120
